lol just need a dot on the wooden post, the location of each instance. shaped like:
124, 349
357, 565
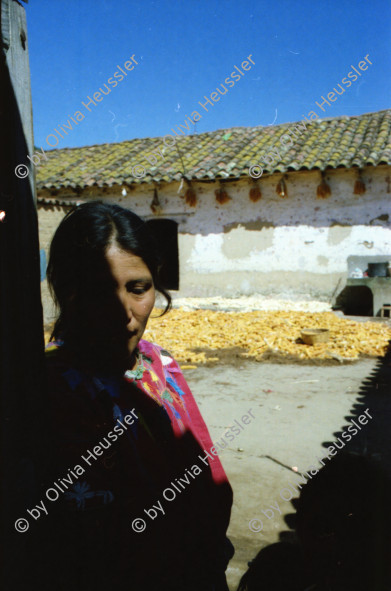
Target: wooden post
21, 323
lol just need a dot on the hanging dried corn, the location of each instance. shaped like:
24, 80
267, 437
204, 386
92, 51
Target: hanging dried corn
191, 197
222, 196
281, 189
359, 185
255, 193
155, 205
323, 190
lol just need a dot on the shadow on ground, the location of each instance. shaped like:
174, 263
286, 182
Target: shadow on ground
236, 355
340, 535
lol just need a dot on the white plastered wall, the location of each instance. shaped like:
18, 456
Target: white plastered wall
295, 247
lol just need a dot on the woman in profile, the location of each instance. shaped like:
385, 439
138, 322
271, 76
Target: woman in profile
139, 505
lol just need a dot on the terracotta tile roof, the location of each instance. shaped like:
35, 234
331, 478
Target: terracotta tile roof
339, 142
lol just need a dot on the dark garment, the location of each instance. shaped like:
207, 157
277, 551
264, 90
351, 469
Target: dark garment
115, 469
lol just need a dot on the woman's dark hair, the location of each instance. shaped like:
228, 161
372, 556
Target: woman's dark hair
78, 250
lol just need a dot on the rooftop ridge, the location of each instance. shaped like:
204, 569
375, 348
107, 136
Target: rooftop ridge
224, 154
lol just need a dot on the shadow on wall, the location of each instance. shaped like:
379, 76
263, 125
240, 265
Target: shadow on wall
340, 537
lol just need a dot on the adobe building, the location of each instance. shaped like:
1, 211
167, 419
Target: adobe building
319, 209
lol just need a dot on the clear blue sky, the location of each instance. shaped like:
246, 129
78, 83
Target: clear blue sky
186, 48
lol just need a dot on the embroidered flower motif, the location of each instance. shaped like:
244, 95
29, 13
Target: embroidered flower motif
107, 495
135, 374
154, 377
175, 385
167, 396
165, 357
81, 492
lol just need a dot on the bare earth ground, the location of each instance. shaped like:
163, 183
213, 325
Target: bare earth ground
296, 409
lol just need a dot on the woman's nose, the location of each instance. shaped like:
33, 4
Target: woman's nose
128, 307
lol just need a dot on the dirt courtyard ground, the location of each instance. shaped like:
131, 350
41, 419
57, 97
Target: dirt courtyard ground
297, 409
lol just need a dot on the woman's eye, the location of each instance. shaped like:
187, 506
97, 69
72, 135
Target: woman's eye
139, 289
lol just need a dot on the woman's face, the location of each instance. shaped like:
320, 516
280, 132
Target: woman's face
125, 300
